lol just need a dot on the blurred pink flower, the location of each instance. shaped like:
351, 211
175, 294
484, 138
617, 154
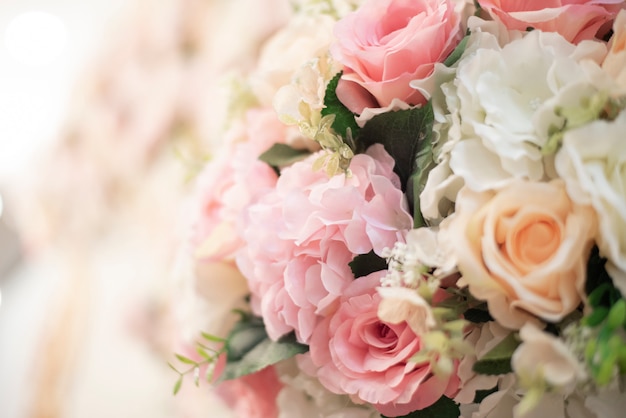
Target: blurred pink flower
231, 181
387, 43
360, 355
253, 395
302, 235
575, 20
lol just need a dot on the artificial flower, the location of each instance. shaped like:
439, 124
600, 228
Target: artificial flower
575, 20
523, 249
497, 140
358, 354
302, 235
387, 43
592, 162
231, 181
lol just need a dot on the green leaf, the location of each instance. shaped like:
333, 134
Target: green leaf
364, 264
457, 53
404, 134
203, 353
212, 338
281, 155
185, 360
344, 118
443, 408
245, 335
498, 360
596, 317
263, 354
178, 385
423, 164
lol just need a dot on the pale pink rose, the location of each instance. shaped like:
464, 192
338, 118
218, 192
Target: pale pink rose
253, 395
523, 249
575, 20
386, 44
368, 359
231, 181
302, 235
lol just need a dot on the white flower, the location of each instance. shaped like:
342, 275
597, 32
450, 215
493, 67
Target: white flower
592, 161
494, 97
482, 338
303, 39
207, 294
608, 403
304, 396
544, 358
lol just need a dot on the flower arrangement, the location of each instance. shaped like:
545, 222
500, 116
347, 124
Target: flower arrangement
419, 210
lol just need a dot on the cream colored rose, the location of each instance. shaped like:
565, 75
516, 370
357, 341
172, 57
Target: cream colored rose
543, 357
523, 249
401, 304
615, 61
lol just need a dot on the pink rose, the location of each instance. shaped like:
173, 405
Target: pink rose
360, 355
302, 235
231, 181
575, 20
523, 249
253, 395
387, 43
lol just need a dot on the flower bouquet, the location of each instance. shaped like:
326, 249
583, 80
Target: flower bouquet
419, 209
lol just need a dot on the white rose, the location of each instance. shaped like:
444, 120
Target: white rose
592, 161
494, 97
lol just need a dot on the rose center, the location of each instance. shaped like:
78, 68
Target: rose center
535, 243
385, 333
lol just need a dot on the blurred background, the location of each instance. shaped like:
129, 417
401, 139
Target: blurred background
107, 108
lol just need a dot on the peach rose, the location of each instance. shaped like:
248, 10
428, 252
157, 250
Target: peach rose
523, 249
615, 62
575, 20
387, 43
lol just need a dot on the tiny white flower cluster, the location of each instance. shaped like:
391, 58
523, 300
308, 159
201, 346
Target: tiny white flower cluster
405, 270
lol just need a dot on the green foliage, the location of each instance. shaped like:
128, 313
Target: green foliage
249, 349
364, 264
606, 353
457, 53
344, 118
209, 359
404, 134
443, 408
498, 360
281, 155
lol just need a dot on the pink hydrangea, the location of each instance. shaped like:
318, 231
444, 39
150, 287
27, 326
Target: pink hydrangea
231, 181
358, 354
301, 237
